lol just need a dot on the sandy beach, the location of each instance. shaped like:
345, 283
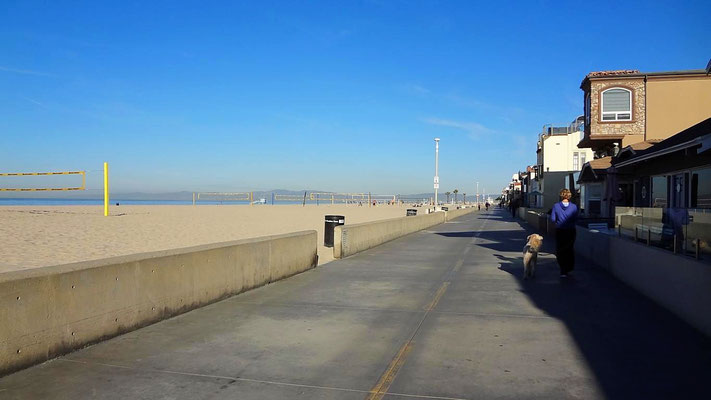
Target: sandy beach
34, 236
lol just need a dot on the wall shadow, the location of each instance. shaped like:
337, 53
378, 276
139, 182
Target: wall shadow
635, 348
501, 240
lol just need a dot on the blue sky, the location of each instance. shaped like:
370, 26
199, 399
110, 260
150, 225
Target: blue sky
332, 95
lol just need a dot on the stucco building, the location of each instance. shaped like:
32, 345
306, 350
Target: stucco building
627, 113
558, 156
624, 107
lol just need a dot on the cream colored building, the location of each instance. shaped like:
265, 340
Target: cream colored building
559, 152
558, 156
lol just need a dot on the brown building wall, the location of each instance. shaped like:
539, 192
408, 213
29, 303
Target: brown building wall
674, 104
599, 129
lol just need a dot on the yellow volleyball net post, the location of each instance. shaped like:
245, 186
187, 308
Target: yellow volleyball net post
56, 189
106, 189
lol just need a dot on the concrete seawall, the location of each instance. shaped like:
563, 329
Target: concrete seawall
452, 214
351, 239
49, 311
678, 283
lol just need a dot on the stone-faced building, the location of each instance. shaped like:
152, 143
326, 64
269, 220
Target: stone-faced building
627, 106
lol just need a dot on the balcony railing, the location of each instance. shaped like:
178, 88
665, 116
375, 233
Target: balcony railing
549, 129
681, 230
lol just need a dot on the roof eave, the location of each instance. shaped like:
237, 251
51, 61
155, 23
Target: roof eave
699, 141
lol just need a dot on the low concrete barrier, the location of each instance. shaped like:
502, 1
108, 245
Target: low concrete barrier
46, 312
536, 218
351, 239
452, 214
678, 283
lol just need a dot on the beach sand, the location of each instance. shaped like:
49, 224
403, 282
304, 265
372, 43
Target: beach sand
34, 236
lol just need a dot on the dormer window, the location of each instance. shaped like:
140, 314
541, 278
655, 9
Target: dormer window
616, 105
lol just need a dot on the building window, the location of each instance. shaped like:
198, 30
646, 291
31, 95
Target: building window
576, 162
582, 158
587, 109
616, 105
659, 191
594, 196
701, 188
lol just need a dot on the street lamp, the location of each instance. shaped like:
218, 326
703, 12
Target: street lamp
436, 177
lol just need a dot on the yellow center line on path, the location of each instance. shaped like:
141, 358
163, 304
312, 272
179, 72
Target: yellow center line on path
388, 377
437, 296
243, 379
381, 388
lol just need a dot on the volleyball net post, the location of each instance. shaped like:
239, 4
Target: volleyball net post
106, 189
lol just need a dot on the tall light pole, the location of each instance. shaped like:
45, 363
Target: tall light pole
477, 193
436, 177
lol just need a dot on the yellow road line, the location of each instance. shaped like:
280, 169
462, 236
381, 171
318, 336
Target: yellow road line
458, 265
381, 388
388, 377
437, 296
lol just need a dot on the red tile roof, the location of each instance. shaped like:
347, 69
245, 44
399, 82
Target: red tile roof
617, 72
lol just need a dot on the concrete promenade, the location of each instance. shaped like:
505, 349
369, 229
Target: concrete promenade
438, 314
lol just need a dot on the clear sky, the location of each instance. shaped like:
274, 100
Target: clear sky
331, 95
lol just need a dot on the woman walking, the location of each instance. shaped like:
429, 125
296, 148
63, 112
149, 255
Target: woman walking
564, 215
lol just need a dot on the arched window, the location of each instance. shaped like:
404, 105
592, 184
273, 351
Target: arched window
616, 105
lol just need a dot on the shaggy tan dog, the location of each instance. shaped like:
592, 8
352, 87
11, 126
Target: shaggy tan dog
530, 255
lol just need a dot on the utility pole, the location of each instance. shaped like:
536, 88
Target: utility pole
477, 193
436, 177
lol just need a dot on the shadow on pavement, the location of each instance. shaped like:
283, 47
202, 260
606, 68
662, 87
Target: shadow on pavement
635, 348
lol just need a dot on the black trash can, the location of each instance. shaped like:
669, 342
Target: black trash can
332, 221
411, 212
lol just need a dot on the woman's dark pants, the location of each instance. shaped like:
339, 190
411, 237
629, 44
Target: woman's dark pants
565, 249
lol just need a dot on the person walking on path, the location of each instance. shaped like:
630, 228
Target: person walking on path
564, 215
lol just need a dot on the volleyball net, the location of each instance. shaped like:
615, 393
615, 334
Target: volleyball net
57, 181
62, 181
29, 188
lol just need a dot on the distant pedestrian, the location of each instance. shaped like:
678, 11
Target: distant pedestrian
479, 205
487, 206
564, 215
514, 207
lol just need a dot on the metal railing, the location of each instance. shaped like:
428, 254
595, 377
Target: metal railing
680, 230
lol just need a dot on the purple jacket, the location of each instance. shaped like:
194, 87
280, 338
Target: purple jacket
564, 217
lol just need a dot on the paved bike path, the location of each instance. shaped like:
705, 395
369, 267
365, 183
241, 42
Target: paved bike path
439, 314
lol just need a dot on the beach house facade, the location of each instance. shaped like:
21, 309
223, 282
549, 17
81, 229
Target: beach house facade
624, 107
627, 112
558, 156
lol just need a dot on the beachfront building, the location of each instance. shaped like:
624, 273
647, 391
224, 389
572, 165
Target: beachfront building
674, 173
625, 107
626, 112
530, 192
513, 191
671, 203
558, 157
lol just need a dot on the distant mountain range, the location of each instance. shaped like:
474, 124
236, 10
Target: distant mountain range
182, 195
